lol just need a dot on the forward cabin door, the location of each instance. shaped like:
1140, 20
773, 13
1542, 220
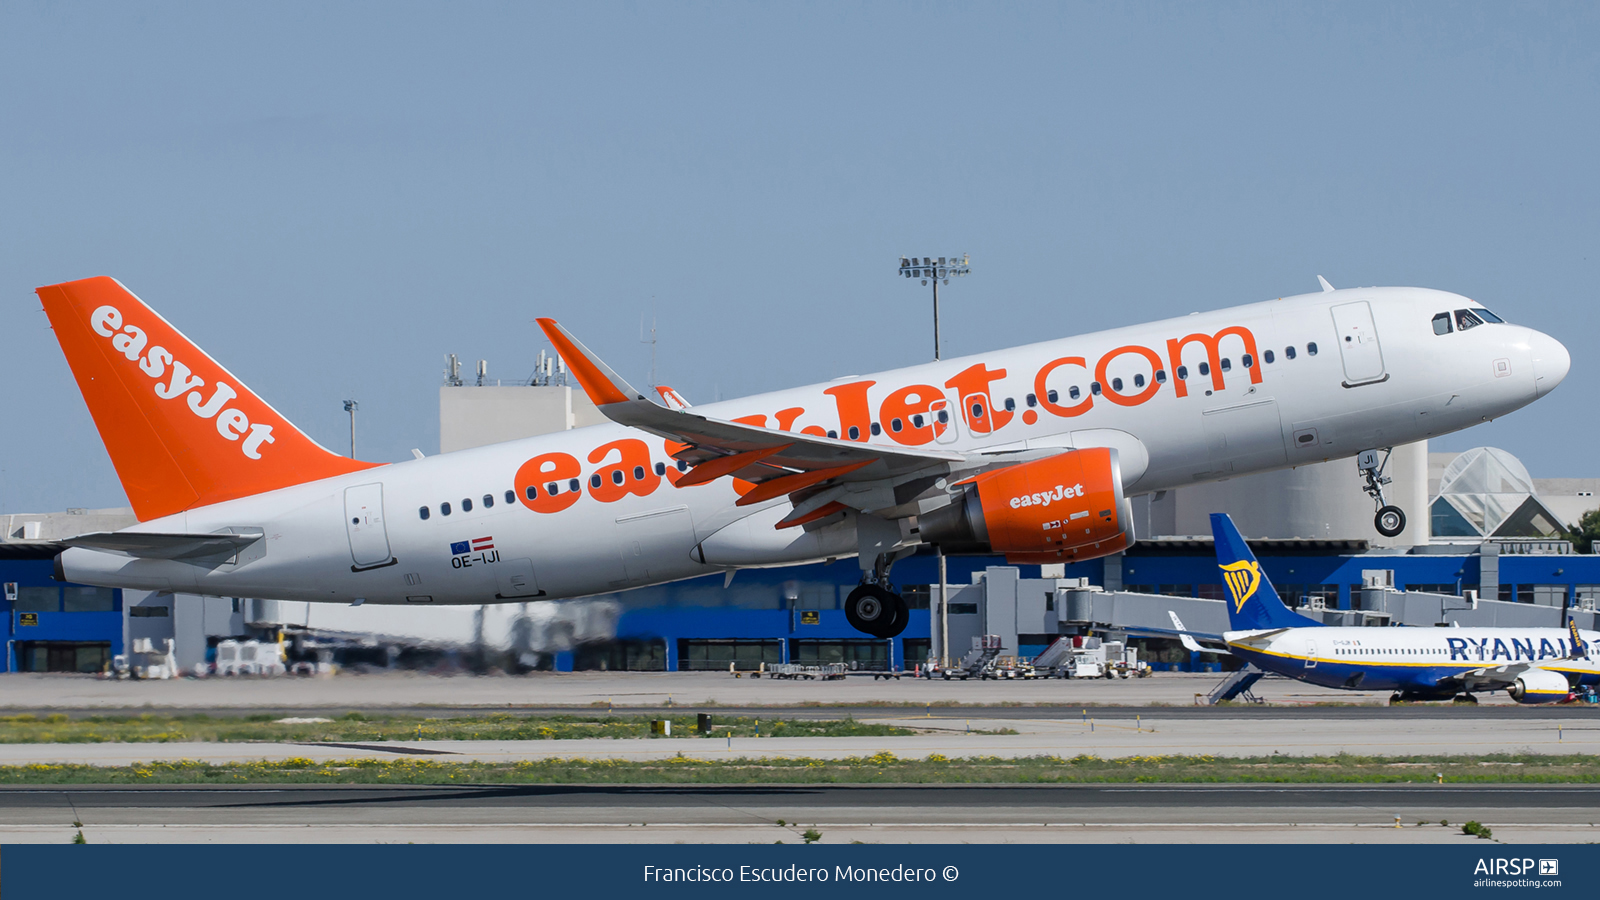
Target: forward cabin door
1311, 654
363, 520
1358, 344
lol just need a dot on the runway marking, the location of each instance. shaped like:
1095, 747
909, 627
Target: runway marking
746, 825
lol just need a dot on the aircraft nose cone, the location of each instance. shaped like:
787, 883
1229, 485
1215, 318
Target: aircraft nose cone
1550, 362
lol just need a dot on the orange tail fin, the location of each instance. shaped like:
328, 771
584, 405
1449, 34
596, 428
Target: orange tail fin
181, 430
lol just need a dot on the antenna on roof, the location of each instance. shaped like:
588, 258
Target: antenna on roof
651, 342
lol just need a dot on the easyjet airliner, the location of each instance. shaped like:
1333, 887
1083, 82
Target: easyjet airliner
1031, 452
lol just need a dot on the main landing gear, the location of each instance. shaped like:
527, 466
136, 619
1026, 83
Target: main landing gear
1390, 520
874, 607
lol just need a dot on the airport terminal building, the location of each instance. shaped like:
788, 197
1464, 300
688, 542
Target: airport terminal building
1484, 545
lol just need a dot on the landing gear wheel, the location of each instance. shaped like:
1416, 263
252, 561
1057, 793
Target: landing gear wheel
876, 611
1390, 521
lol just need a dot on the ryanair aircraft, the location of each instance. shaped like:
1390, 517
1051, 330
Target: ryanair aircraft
1533, 665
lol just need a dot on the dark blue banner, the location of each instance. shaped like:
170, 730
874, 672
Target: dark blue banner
272, 872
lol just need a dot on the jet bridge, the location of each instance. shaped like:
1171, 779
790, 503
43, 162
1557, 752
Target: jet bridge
1028, 614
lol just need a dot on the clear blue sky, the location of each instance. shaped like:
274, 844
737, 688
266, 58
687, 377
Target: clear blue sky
330, 197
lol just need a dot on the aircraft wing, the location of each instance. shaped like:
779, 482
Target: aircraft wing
1488, 676
1185, 637
154, 545
777, 462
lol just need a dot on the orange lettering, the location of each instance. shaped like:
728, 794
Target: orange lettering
1213, 356
630, 474
972, 389
905, 403
1041, 388
1124, 399
786, 417
673, 447
541, 482
851, 400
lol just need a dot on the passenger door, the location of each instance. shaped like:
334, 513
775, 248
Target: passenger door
363, 521
1358, 344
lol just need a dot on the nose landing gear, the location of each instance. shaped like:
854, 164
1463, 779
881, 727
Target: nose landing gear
874, 607
1390, 520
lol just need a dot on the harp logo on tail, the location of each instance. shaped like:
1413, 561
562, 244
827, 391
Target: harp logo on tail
1243, 578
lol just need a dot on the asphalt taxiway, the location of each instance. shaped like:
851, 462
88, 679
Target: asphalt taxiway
841, 813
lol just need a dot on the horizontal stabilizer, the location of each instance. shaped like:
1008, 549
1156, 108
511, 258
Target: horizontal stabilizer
154, 545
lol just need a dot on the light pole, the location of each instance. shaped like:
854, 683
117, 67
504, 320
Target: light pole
935, 269
350, 406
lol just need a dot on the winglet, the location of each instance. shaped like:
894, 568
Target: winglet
1326, 287
672, 398
1579, 647
603, 385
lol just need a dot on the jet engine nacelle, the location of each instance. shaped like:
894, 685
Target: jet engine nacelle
1062, 508
1540, 686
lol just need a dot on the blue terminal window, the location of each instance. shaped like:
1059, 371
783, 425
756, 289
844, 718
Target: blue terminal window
38, 599
87, 599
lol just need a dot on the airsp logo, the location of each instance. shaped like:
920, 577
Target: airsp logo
1503, 866
1243, 578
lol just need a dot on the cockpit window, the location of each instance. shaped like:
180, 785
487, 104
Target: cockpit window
1487, 316
1441, 323
1465, 319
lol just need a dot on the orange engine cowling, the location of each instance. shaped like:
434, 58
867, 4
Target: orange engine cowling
1059, 509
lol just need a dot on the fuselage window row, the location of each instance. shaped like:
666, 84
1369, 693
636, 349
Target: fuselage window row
553, 488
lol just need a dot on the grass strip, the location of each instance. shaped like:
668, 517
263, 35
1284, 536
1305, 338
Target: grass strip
356, 727
879, 768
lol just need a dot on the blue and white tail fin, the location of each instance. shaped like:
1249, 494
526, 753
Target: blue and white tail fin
1253, 603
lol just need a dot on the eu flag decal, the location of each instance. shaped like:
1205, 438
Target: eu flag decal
460, 547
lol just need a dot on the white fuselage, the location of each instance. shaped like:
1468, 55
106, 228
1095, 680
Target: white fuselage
1413, 659
1393, 381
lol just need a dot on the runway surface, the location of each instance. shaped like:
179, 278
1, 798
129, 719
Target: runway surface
842, 813
1114, 713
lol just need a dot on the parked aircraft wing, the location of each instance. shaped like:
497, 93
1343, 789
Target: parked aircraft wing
779, 462
153, 545
1184, 636
1487, 677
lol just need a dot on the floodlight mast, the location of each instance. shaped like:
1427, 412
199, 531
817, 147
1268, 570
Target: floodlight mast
350, 406
935, 269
